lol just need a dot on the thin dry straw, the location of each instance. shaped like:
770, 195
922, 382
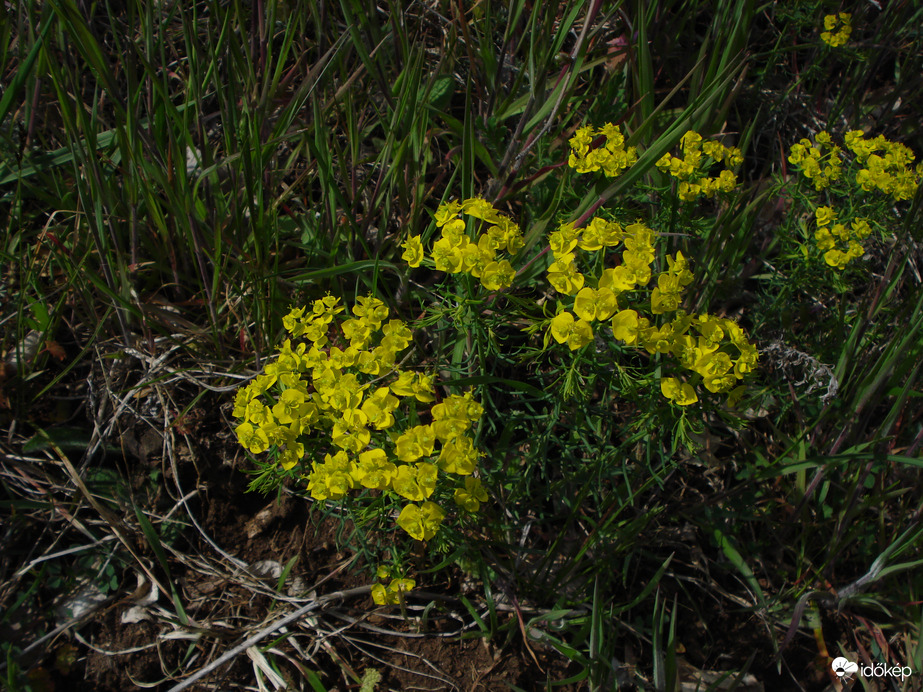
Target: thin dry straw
288, 619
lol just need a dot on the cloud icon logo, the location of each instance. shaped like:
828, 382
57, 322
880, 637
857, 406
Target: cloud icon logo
844, 667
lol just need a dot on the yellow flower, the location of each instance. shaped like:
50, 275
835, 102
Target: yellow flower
668, 294
378, 408
576, 334
626, 326
379, 594
861, 228
458, 455
476, 258
403, 385
333, 478
838, 28
689, 191
563, 240
824, 215
480, 209
290, 407
374, 470
613, 157
294, 322
824, 239
454, 232
413, 384
447, 256
397, 335
836, 258
413, 251
617, 279
415, 482
680, 392
727, 181
254, 439
471, 496
447, 212
419, 441
393, 593
312, 389
690, 141
421, 522
352, 438
498, 275
592, 304
563, 275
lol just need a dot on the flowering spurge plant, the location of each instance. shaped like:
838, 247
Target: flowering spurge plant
837, 28
692, 169
822, 163
612, 158
839, 243
876, 166
393, 592
482, 256
884, 165
337, 396
714, 349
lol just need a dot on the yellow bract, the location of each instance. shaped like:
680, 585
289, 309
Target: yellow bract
821, 163
720, 356
421, 521
393, 593
692, 168
886, 165
575, 333
413, 251
837, 27
455, 252
880, 166
626, 327
595, 304
839, 243
343, 401
563, 275
471, 496
680, 392
612, 158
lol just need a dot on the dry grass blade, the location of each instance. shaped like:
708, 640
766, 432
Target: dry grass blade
293, 617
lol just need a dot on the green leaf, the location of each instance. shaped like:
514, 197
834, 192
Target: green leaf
732, 554
22, 74
66, 437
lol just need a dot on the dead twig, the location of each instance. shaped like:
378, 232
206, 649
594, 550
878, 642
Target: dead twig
266, 631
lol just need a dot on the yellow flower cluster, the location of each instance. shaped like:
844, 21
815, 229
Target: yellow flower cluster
456, 253
707, 354
837, 27
393, 593
350, 395
879, 164
815, 163
692, 169
829, 235
600, 303
612, 158
886, 165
